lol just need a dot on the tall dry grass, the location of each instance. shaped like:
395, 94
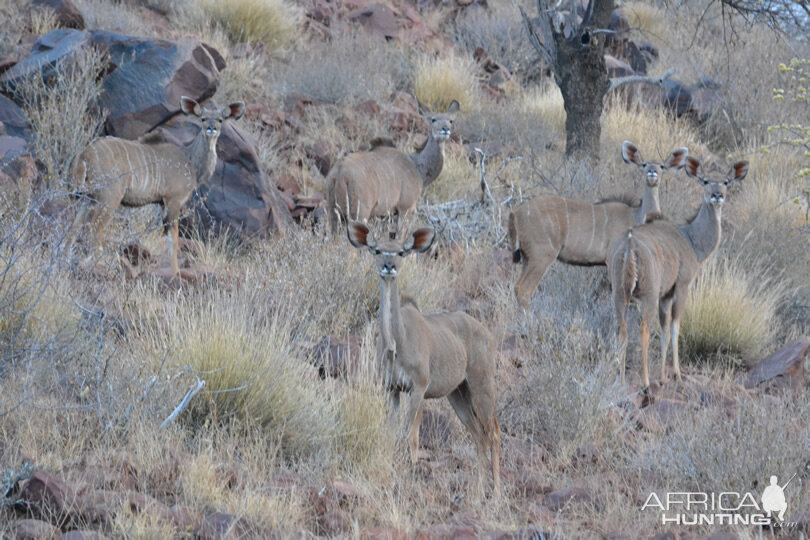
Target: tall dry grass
271, 22
438, 80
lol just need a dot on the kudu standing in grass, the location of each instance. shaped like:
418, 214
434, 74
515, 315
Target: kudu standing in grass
657, 262
385, 181
136, 173
550, 227
436, 355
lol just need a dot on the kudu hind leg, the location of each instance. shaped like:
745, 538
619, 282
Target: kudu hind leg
462, 402
678, 308
534, 268
665, 318
620, 343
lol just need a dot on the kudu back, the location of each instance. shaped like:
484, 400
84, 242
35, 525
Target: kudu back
385, 181
657, 262
135, 173
433, 356
550, 227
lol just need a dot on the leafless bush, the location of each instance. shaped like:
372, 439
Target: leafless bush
62, 112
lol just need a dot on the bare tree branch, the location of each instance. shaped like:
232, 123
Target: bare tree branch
191, 393
630, 79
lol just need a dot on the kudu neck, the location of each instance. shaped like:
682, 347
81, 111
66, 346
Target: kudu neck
429, 160
703, 232
203, 156
391, 326
649, 202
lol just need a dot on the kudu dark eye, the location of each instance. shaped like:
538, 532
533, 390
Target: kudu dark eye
401, 253
377, 251
432, 118
705, 182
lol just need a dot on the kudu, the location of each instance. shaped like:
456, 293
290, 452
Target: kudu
657, 262
436, 355
550, 227
136, 173
384, 180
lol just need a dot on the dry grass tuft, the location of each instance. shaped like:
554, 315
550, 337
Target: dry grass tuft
546, 104
438, 80
647, 19
272, 22
731, 312
62, 112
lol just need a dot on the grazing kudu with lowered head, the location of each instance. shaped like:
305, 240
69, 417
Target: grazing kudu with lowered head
384, 180
550, 227
657, 262
136, 173
436, 355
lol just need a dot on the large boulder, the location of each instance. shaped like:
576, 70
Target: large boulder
784, 368
12, 121
46, 52
239, 194
149, 76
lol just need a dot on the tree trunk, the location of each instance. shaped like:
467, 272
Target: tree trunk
583, 81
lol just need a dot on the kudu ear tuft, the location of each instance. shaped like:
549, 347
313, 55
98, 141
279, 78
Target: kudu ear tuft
235, 110
420, 241
692, 166
453, 107
189, 106
738, 171
630, 153
359, 235
677, 159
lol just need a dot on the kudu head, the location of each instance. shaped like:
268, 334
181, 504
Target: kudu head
714, 191
441, 124
650, 169
389, 253
212, 118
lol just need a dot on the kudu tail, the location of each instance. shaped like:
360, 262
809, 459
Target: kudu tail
630, 266
514, 241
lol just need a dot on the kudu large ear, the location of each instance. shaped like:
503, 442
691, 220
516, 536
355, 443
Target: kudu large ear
359, 235
692, 167
453, 107
738, 171
189, 106
677, 158
630, 153
420, 241
234, 110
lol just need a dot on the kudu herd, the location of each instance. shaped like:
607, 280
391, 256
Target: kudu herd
448, 354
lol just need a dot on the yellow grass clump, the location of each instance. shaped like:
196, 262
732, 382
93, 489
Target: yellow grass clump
546, 103
272, 22
649, 20
438, 80
730, 313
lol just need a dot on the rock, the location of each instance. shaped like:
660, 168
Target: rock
319, 153
378, 18
330, 519
435, 430
383, 534
617, 68
137, 255
677, 97
46, 53
288, 184
141, 503
185, 518
531, 484
33, 529
239, 194
558, 499
446, 532
662, 416
13, 122
67, 14
705, 99
50, 496
218, 526
346, 493
784, 368
368, 108
337, 357
99, 506
148, 78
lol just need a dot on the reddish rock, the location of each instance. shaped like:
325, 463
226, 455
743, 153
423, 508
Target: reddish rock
446, 532
346, 492
383, 534
319, 154
288, 184
369, 108
46, 53
185, 518
783, 368
337, 357
67, 14
50, 496
13, 122
137, 255
558, 499
378, 18
141, 503
531, 484
33, 529
662, 416
330, 519
99, 506
435, 430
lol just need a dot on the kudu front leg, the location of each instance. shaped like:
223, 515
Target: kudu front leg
665, 318
412, 418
